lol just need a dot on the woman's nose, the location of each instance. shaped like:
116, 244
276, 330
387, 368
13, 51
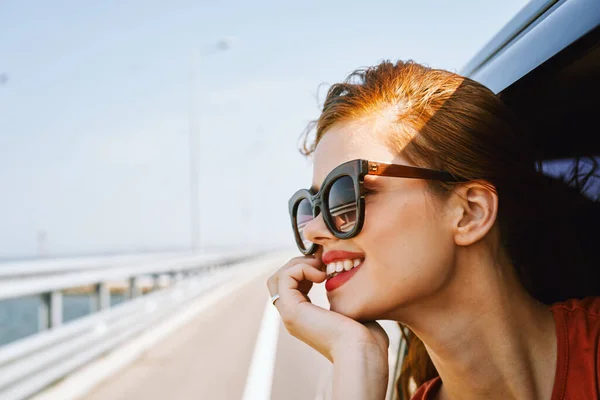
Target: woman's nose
316, 231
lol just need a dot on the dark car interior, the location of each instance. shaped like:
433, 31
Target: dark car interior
559, 103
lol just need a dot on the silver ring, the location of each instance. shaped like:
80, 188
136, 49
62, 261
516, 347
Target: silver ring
274, 297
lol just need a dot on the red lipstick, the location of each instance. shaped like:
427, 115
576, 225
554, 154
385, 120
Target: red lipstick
344, 276
338, 255
340, 279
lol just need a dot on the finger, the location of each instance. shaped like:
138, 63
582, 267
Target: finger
313, 260
299, 273
274, 279
290, 280
305, 286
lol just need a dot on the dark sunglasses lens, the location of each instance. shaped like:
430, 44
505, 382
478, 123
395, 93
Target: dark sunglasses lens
303, 216
342, 204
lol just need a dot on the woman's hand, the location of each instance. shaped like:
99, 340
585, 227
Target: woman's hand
330, 333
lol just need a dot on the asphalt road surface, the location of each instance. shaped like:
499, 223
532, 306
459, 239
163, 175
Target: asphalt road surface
237, 349
210, 357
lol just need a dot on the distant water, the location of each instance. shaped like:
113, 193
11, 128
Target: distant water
19, 317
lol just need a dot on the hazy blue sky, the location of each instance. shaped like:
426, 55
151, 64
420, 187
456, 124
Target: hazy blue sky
94, 115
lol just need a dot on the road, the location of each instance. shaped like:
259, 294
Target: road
228, 351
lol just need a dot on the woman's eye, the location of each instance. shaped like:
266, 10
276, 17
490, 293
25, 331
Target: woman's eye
368, 192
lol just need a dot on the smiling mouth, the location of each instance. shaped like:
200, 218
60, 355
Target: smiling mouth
338, 267
338, 278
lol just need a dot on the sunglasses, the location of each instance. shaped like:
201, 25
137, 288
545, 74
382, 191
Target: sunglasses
341, 198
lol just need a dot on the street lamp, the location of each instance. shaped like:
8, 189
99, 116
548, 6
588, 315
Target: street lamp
220, 46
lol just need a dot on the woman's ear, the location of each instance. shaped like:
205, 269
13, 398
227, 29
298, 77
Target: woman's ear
476, 208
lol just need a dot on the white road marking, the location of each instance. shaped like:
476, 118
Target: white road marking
260, 375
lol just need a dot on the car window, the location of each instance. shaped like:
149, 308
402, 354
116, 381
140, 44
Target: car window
564, 167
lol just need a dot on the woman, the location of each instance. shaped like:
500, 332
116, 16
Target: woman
429, 211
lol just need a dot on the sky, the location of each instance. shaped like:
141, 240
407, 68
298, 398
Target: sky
97, 100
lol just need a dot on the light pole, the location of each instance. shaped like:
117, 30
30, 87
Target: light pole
221, 46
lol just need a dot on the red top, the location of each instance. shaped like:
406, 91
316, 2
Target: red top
578, 359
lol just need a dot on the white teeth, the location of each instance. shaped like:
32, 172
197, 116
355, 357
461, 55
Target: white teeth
330, 268
336, 267
348, 265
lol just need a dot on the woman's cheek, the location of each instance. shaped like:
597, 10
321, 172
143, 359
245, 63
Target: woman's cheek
406, 258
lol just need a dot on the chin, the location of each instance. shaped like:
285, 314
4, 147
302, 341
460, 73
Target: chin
355, 312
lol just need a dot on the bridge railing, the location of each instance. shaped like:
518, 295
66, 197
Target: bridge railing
31, 364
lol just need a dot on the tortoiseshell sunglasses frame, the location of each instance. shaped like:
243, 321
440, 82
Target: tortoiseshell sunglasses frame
356, 170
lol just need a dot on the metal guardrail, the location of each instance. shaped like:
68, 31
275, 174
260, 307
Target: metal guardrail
12, 269
50, 279
31, 364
